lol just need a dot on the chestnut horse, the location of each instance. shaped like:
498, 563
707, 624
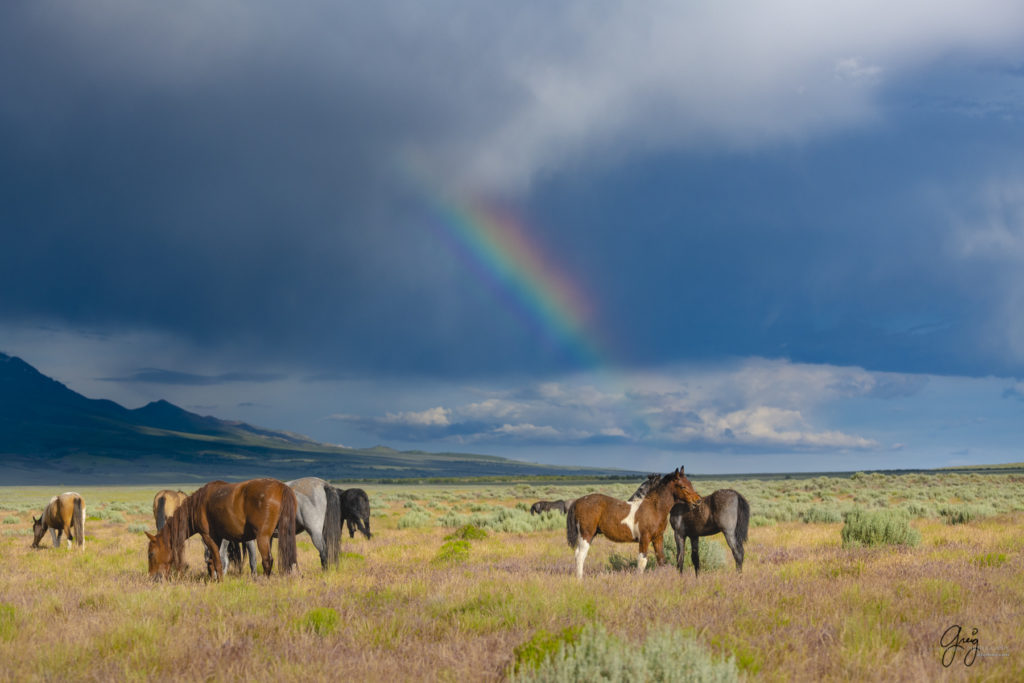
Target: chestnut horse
64, 513
246, 511
165, 503
641, 520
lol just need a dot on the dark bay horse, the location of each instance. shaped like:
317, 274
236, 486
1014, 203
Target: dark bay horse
246, 511
165, 502
545, 505
642, 520
64, 515
355, 510
725, 511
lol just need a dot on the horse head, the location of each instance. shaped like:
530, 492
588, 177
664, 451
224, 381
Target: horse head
160, 554
38, 529
682, 489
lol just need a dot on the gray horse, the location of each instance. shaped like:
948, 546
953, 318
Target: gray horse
318, 514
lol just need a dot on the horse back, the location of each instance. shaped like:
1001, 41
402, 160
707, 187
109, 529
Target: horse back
60, 512
598, 513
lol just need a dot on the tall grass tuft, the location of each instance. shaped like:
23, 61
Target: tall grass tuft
323, 621
878, 527
596, 655
8, 623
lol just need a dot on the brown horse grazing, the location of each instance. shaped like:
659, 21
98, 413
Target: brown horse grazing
165, 503
246, 511
641, 520
63, 514
545, 505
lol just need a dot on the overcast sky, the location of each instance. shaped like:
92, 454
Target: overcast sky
771, 237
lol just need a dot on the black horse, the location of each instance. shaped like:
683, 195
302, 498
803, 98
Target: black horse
724, 512
544, 505
355, 509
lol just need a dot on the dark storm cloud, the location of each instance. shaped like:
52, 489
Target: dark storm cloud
235, 178
158, 376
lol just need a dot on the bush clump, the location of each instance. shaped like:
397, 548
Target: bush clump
414, 519
8, 625
592, 654
879, 527
452, 552
467, 532
819, 514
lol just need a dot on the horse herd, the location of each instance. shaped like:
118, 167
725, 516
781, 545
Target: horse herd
245, 516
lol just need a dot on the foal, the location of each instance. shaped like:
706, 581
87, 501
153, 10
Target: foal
641, 520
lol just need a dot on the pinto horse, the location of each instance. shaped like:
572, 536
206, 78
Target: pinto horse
64, 515
641, 520
165, 502
246, 511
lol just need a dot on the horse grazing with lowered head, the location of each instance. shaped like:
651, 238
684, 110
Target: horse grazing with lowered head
64, 515
246, 511
319, 515
545, 505
642, 520
165, 502
355, 510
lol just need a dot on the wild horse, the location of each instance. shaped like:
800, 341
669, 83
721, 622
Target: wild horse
355, 510
246, 511
64, 515
642, 520
725, 511
545, 505
165, 502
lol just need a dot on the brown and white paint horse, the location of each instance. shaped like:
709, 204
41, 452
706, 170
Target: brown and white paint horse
64, 515
641, 520
165, 503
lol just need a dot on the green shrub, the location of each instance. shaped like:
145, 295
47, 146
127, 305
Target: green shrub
962, 514
468, 533
11, 520
452, 552
878, 527
593, 654
416, 518
710, 552
323, 621
819, 514
138, 528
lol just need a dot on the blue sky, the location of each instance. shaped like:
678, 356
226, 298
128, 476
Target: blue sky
796, 230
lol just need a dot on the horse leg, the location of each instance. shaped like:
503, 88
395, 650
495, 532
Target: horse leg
67, 535
582, 548
736, 547
213, 556
263, 543
55, 537
250, 550
695, 554
641, 559
318, 542
659, 549
225, 557
351, 529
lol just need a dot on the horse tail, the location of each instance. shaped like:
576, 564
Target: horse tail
287, 554
742, 518
78, 518
332, 524
572, 527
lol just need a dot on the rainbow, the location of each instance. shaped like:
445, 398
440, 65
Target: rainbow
499, 248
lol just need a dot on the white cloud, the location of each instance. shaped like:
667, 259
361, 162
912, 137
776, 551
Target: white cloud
754, 405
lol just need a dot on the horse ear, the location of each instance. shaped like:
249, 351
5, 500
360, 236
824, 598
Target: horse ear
681, 470
150, 536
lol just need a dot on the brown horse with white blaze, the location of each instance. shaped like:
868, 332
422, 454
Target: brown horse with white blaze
165, 502
64, 515
642, 520
246, 511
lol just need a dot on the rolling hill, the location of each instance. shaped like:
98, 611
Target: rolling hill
50, 433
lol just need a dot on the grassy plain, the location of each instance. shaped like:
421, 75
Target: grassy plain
413, 604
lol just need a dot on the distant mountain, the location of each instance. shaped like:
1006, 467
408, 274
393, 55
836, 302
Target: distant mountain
49, 433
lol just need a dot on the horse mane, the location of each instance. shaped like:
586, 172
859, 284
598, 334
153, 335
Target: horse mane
185, 520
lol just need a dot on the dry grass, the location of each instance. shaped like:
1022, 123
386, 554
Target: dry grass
804, 608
